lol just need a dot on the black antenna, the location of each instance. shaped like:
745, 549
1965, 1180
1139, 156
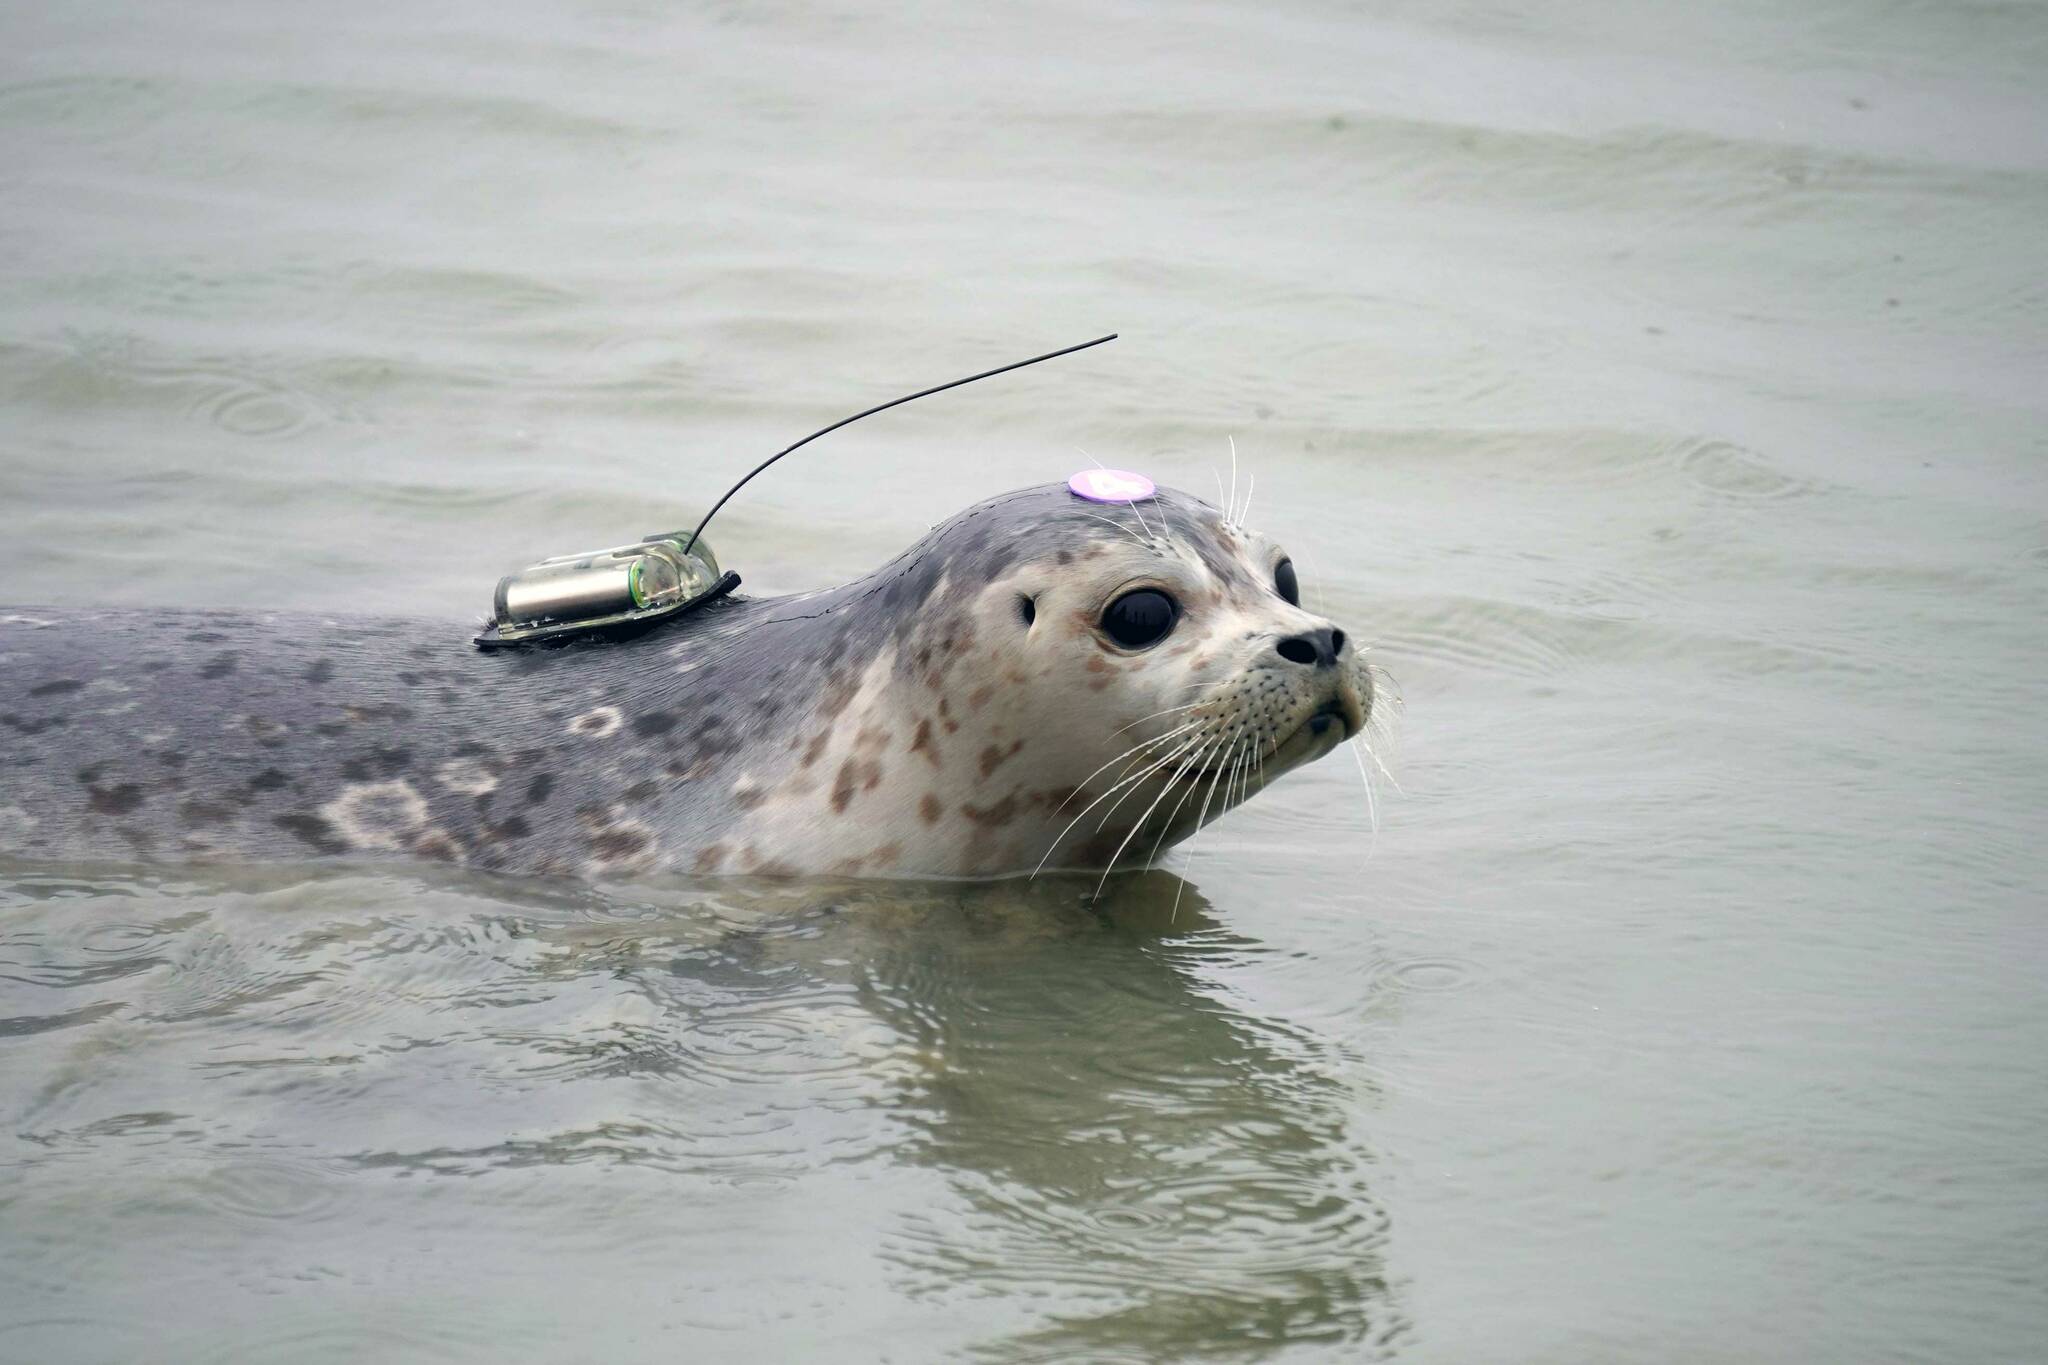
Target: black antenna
921, 393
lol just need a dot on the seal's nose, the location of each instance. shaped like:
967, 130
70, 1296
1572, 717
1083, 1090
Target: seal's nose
1315, 649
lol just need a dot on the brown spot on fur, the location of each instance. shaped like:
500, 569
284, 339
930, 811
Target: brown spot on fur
312, 831
115, 800
930, 809
197, 812
622, 842
1098, 850
269, 733
863, 774
816, 748
838, 693
436, 843
993, 757
886, 856
923, 743
709, 858
749, 796
1001, 813
978, 698
690, 772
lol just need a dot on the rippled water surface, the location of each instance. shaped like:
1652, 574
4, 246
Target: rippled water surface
1659, 389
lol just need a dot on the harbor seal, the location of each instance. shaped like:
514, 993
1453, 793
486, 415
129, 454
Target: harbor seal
1041, 681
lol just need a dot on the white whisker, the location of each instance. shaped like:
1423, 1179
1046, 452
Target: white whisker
1199, 740
1374, 756
1372, 812
1124, 783
1230, 772
1139, 513
1121, 527
1201, 820
1229, 513
1134, 749
1155, 715
1132, 505
1240, 780
1139, 824
1174, 814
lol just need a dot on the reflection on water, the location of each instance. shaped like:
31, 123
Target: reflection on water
1068, 1140
1183, 1172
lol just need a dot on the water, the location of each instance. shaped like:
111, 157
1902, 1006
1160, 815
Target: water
1657, 387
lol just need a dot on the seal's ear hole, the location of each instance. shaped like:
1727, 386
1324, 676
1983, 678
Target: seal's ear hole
1028, 609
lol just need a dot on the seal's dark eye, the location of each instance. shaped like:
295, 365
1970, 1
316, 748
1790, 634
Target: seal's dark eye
1140, 618
1284, 580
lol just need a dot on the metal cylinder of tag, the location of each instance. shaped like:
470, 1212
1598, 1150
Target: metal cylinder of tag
604, 583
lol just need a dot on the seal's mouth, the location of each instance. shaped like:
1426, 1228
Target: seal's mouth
1342, 712
1326, 727
1330, 713
1329, 725
1339, 718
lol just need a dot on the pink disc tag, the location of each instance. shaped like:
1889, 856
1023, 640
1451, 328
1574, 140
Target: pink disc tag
1111, 485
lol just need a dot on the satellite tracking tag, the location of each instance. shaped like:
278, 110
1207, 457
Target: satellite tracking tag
624, 590
607, 592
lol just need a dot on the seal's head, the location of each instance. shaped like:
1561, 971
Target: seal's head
1120, 669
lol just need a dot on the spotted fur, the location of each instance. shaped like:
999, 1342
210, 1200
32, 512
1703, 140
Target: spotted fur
913, 722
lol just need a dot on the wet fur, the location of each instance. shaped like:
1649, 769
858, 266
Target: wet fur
886, 727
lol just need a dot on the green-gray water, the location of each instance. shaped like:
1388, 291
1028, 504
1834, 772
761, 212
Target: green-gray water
1659, 388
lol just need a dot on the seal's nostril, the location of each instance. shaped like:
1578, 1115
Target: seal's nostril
1317, 648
